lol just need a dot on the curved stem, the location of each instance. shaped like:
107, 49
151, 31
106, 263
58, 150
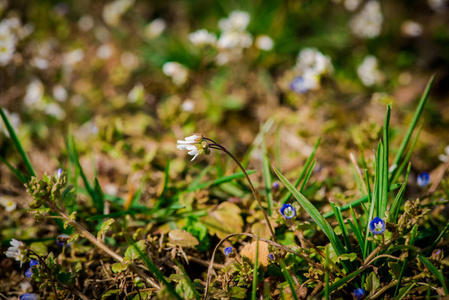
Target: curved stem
253, 190
392, 284
84, 232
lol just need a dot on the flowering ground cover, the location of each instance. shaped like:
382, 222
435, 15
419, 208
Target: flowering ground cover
224, 149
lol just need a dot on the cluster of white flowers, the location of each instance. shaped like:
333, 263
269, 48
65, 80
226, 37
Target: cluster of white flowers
11, 32
444, 157
178, 73
368, 71
34, 98
194, 144
233, 39
112, 12
311, 64
368, 22
15, 251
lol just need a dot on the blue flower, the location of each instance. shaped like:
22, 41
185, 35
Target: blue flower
377, 226
228, 250
59, 173
423, 179
288, 211
33, 263
271, 256
29, 272
275, 186
298, 85
359, 293
29, 296
61, 240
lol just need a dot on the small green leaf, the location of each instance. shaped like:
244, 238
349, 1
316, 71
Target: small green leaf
105, 227
119, 267
372, 283
110, 293
132, 253
237, 292
350, 256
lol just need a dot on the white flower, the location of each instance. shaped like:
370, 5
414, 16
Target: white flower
233, 39
59, 93
202, 37
302, 84
176, 71
368, 71
237, 21
136, 94
53, 109
73, 57
411, 28
444, 157
188, 106
129, 60
7, 43
155, 28
8, 204
437, 5
15, 251
368, 22
351, 5
34, 93
113, 11
264, 42
105, 51
194, 144
314, 61
86, 23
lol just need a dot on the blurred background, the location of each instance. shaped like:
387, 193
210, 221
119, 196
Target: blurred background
127, 78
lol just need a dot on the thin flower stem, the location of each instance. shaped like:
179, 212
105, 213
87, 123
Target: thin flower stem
84, 232
371, 256
214, 145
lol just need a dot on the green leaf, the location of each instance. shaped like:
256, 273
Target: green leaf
438, 273
237, 292
267, 175
105, 227
372, 283
132, 253
110, 293
350, 256
119, 267
403, 291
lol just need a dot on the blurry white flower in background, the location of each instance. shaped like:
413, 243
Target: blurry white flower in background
444, 157
304, 83
7, 43
352, 5
368, 22
34, 93
8, 204
188, 105
176, 71
237, 21
411, 28
53, 109
73, 57
312, 60
14, 120
264, 42
113, 11
368, 71
102, 33
40, 63
129, 60
59, 93
136, 94
234, 39
437, 5
202, 37
86, 23
105, 51
154, 28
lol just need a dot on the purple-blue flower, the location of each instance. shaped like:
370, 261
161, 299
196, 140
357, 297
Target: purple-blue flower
228, 250
275, 186
288, 211
29, 272
298, 85
59, 173
61, 240
29, 296
271, 256
423, 179
33, 263
377, 226
359, 293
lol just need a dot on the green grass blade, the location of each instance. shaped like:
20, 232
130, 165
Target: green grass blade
341, 223
438, 238
306, 179
314, 214
194, 185
326, 274
438, 274
303, 171
412, 125
342, 281
358, 235
288, 278
255, 272
153, 269
394, 209
267, 175
404, 264
17, 143
405, 291
384, 163
406, 159
14, 170
220, 180
187, 278
100, 198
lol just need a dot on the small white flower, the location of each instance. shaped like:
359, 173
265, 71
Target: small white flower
444, 157
188, 106
53, 109
368, 71
112, 12
15, 251
8, 203
176, 71
237, 21
155, 28
313, 60
60, 93
86, 23
73, 57
264, 42
194, 144
351, 5
202, 37
368, 22
34, 93
105, 51
437, 5
411, 28
136, 94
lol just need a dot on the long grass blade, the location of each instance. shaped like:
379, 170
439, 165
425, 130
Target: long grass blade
438, 274
267, 175
289, 279
384, 163
341, 223
404, 264
187, 279
394, 209
412, 125
17, 144
14, 170
255, 272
